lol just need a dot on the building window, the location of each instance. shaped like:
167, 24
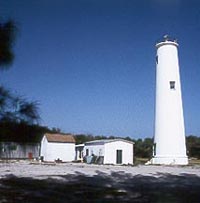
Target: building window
156, 59
87, 152
172, 85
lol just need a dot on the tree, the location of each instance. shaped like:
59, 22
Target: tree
193, 146
7, 38
17, 109
17, 115
22, 132
13, 108
143, 148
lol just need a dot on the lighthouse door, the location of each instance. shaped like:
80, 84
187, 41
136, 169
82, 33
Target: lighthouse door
119, 156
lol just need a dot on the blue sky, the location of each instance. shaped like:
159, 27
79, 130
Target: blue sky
91, 63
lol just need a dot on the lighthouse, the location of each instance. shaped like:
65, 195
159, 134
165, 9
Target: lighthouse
169, 138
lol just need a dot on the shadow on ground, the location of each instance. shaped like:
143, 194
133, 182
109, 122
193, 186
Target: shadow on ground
117, 187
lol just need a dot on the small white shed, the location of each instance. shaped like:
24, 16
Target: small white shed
58, 147
110, 151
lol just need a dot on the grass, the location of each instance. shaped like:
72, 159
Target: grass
194, 161
140, 161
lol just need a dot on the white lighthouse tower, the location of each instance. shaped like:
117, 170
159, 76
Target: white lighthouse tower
169, 138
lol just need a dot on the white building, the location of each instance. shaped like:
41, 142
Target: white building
58, 147
110, 151
169, 138
15, 150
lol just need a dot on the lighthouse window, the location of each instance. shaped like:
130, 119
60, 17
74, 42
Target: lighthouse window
156, 59
172, 85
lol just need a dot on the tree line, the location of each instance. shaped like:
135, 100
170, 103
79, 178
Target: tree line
24, 132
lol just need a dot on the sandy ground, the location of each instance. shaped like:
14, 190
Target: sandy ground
45, 170
76, 182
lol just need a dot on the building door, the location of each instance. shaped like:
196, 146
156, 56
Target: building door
30, 155
119, 156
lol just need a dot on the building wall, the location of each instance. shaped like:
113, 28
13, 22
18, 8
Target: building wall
53, 151
13, 150
111, 152
97, 150
44, 146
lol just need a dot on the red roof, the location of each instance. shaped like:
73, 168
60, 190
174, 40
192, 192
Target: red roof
62, 138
